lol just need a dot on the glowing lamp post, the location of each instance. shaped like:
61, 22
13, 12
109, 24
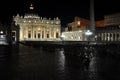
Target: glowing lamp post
88, 33
78, 23
62, 37
1, 32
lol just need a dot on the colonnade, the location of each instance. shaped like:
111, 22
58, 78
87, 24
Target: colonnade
108, 36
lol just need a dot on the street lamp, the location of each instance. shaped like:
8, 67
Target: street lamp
78, 23
1, 32
62, 37
88, 33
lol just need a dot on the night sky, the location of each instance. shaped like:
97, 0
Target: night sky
65, 10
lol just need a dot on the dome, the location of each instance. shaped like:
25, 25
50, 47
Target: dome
31, 16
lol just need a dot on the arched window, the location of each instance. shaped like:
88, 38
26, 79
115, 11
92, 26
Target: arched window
47, 35
34, 34
29, 34
57, 35
38, 35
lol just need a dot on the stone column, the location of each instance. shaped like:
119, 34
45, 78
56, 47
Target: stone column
102, 36
50, 32
41, 29
21, 33
32, 34
92, 21
44, 32
112, 37
26, 34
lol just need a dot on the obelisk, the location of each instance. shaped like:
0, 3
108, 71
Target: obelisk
92, 17
92, 20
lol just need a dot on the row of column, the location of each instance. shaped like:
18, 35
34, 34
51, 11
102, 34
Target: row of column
42, 33
108, 37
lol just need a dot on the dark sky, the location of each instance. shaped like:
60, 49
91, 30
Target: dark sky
65, 10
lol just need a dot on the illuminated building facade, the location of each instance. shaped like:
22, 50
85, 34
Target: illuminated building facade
110, 31
107, 30
34, 27
76, 30
113, 19
78, 24
81, 29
